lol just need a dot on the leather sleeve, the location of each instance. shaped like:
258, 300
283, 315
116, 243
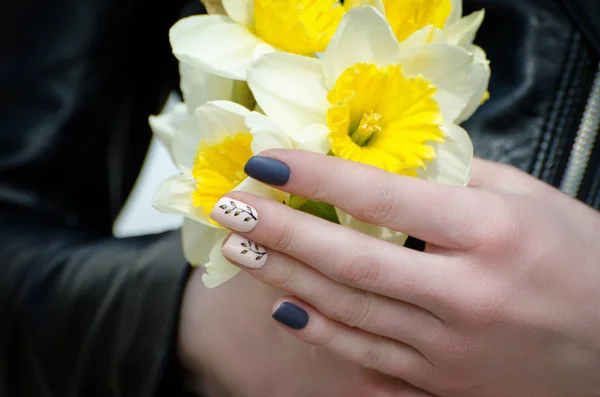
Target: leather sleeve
82, 313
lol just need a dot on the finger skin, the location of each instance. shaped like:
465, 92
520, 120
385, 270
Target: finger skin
371, 351
446, 216
352, 258
370, 312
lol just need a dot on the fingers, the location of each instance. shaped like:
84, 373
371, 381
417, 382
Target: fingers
342, 254
370, 351
374, 313
443, 215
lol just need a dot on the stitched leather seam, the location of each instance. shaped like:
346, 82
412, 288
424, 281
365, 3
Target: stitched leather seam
550, 121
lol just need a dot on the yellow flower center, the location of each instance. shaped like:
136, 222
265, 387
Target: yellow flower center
383, 118
297, 26
408, 16
218, 169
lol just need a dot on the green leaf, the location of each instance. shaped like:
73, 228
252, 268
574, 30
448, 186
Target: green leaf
297, 202
258, 257
244, 252
223, 207
244, 245
320, 210
237, 213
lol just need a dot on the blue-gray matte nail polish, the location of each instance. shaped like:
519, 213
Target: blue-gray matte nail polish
267, 170
291, 315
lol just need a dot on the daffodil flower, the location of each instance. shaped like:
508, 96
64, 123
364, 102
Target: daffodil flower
391, 108
211, 153
227, 45
434, 22
427, 20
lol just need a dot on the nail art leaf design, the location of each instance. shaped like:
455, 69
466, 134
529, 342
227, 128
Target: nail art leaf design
237, 211
253, 249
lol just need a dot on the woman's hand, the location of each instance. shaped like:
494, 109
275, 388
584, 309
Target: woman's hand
227, 341
505, 300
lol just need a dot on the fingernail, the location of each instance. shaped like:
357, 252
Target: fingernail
291, 315
267, 170
234, 215
245, 252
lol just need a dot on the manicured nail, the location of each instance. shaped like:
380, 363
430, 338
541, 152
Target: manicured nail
234, 215
291, 315
245, 252
267, 170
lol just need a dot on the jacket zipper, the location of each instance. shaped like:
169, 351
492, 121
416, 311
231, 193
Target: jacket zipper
585, 140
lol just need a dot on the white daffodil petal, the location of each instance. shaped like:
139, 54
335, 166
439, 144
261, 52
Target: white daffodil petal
363, 35
427, 35
289, 88
185, 142
198, 240
217, 120
256, 188
223, 48
266, 134
199, 86
260, 122
476, 100
241, 11
314, 138
452, 165
167, 123
456, 14
381, 233
265, 139
452, 69
218, 269
262, 49
463, 32
174, 196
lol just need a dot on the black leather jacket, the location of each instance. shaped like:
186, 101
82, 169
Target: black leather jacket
85, 314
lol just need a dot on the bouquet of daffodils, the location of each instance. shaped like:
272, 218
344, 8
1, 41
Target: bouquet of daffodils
381, 82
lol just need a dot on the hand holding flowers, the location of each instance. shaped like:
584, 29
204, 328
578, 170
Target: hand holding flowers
368, 97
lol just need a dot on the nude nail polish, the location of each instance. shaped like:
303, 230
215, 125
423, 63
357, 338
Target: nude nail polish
234, 215
245, 252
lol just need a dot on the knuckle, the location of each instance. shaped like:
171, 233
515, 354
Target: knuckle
358, 269
451, 386
353, 309
283, 241
322, 338
459, 347
380, 208
482, 306
490, 306
373, 355
502, 228
280, 276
